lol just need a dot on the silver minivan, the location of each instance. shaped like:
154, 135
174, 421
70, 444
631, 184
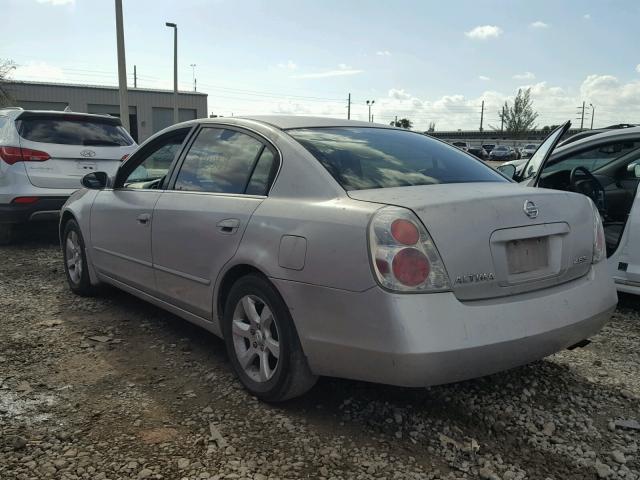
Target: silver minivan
45, 154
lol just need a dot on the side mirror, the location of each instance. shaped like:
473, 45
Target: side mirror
95, 180
636, 170
508, 170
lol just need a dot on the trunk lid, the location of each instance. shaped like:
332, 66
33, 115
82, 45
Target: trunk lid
489, 245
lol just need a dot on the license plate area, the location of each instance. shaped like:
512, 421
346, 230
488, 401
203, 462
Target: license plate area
527, 255
85, 167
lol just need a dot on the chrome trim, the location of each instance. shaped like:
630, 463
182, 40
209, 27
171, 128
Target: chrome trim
124, 257
178, 273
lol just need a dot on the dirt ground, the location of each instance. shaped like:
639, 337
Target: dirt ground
114, 388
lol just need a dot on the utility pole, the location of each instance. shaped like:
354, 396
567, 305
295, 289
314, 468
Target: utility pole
581, 111
395, 122
122, 68
349, 107
193, 72
135, 77
502, 121
176, 118
593, 112
481, 115
370, 104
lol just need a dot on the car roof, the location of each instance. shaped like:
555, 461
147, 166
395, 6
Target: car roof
286, 122
17, 111
617, 134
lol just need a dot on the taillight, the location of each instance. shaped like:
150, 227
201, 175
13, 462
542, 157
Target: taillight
403, 254
25, 200
13, 155
599, 241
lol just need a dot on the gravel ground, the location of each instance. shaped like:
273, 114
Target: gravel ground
113, 388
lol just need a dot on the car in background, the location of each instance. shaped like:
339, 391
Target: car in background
528, 150
606, 168
502, 152
461, 145
45, 154
479, 152
488, 147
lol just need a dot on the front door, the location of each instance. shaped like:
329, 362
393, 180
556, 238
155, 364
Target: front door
121, 217
198, 224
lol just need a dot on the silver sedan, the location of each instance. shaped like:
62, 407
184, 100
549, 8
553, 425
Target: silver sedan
330, 247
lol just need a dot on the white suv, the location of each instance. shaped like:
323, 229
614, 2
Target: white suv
44, 155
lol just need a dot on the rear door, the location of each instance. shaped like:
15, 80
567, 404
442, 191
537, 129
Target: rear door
76, 145
121, 217
198, 224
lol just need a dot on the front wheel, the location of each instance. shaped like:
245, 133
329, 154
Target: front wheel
262, 342
75, 260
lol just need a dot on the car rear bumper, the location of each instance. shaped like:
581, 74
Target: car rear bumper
429, 339
45, 208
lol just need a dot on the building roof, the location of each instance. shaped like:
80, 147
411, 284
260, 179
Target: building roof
99, 87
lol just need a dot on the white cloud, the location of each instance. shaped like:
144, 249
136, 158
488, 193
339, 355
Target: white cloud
39, 71
484, 78
524, 76
383, 53
343, 70
587, 16
539, 24
638, 68
56, 3
290, 65
482, 32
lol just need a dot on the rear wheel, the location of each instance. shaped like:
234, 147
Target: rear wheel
75, 260
262, 342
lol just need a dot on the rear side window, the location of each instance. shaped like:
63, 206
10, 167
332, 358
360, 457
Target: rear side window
73, 130
220, 161
259, 183
362, 158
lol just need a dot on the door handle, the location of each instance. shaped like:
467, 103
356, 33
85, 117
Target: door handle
228, 226
144, 218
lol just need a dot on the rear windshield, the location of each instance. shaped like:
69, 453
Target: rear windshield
70, 130
362, 158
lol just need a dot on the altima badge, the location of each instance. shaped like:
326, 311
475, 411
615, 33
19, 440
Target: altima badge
530, 209
475, 278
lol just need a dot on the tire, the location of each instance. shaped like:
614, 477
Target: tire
6, 233
253, 338
75, 260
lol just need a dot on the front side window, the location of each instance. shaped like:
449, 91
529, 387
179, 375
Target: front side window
156, 163
363, 158
220, 160
73, 130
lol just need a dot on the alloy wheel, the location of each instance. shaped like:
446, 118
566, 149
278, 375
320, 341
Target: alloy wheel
74, 257
256, 338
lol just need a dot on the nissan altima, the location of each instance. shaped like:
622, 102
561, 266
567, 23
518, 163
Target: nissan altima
318, 246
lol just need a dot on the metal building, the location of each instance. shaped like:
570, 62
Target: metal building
149, 110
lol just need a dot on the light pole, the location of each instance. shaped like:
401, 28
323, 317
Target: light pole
122, 68
593, 112
175, 70
370, 104
193, 71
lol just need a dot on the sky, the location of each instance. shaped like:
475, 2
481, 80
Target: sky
429, 61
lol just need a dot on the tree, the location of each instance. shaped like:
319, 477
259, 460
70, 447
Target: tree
402, 123
520, 117
5, 69
432, 127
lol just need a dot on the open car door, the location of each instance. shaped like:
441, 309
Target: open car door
536, 163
